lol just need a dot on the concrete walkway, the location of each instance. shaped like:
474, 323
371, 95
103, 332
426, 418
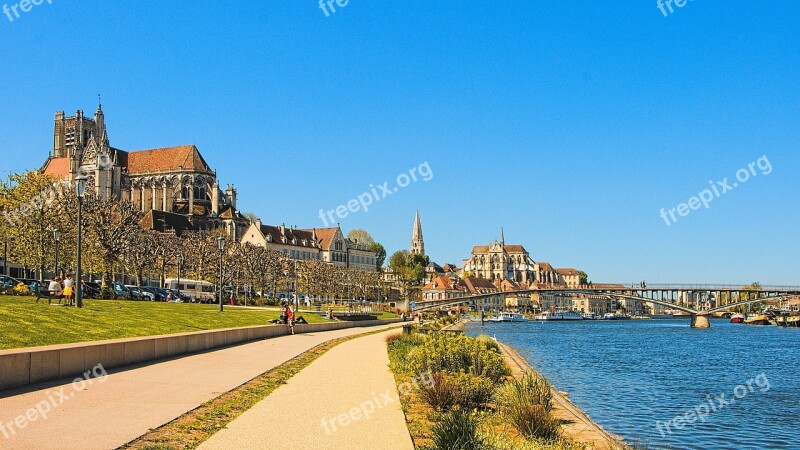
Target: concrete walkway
128, 403
347, 399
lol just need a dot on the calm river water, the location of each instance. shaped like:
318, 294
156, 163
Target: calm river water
631, 376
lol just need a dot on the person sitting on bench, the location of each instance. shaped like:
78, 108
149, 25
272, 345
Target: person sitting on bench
54, 290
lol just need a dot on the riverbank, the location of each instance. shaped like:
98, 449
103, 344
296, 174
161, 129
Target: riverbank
575, 424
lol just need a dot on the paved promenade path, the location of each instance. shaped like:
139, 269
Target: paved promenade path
107, 414
341, 388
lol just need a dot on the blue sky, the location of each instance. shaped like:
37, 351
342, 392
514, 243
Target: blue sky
570, 124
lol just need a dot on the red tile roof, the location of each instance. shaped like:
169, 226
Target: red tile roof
567, 271
546, 266
169, 159
325, 236
57, 167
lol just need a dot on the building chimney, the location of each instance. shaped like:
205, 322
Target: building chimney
215, 198
231, 194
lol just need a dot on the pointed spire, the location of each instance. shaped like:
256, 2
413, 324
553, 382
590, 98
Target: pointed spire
417, 241
502, 237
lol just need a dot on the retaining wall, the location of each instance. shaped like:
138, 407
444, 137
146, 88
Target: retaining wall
20, 367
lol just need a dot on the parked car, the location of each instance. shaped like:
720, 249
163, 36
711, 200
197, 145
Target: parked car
140, 294
120, 291
180, 297
158, 296
7, 283
91, 290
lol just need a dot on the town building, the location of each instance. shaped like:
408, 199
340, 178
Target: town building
499, 261
175, 180
570, 277
322, 244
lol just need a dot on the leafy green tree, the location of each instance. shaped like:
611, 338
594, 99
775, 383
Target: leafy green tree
362, 237
380, 254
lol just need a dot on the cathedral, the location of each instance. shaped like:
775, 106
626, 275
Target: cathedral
499, 261
173, 186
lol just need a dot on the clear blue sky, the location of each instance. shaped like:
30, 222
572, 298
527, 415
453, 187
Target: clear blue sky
570, 124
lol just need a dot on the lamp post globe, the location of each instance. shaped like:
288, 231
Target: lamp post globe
221, 245
80, 191
56, 240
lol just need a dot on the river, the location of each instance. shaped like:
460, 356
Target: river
665, 385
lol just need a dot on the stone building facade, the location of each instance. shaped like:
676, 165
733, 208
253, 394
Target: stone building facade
173, 180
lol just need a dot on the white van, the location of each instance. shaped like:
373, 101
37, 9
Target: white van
201, 291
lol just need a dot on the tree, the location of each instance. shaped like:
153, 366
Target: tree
110, 228
584, 277
251, 216
409, 269
361, 237
31, 205
380, 254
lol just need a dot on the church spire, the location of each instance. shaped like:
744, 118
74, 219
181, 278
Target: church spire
417, 242
502, 237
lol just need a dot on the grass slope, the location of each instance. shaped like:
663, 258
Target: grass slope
24, 323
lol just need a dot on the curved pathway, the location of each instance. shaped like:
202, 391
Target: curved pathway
346, 399
131, 401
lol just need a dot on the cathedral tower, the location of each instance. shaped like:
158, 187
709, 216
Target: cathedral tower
417, 243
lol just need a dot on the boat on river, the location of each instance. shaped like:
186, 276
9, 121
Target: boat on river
757, 319
615, 316
788, 320
559, 315
737, 318
508, 317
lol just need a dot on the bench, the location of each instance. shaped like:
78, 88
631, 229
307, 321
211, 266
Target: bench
41, 293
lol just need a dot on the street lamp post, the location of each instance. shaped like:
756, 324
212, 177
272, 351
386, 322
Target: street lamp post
296, 297
180, 265
56, 238
80, 190
221, 245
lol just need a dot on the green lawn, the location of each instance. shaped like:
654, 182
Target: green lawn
24, 323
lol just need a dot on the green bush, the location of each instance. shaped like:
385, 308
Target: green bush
457, 353
491, 343
399, 346
458, 431
472, 391
527, 403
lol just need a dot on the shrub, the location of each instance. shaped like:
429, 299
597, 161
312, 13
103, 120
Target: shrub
442, 393
399, 346
489, 342
456, 353
458, 431
527, 403
21, 289
472, 391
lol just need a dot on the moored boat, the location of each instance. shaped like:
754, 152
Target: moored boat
615, 316
757, 319
737, 318
559, 315
508, 317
